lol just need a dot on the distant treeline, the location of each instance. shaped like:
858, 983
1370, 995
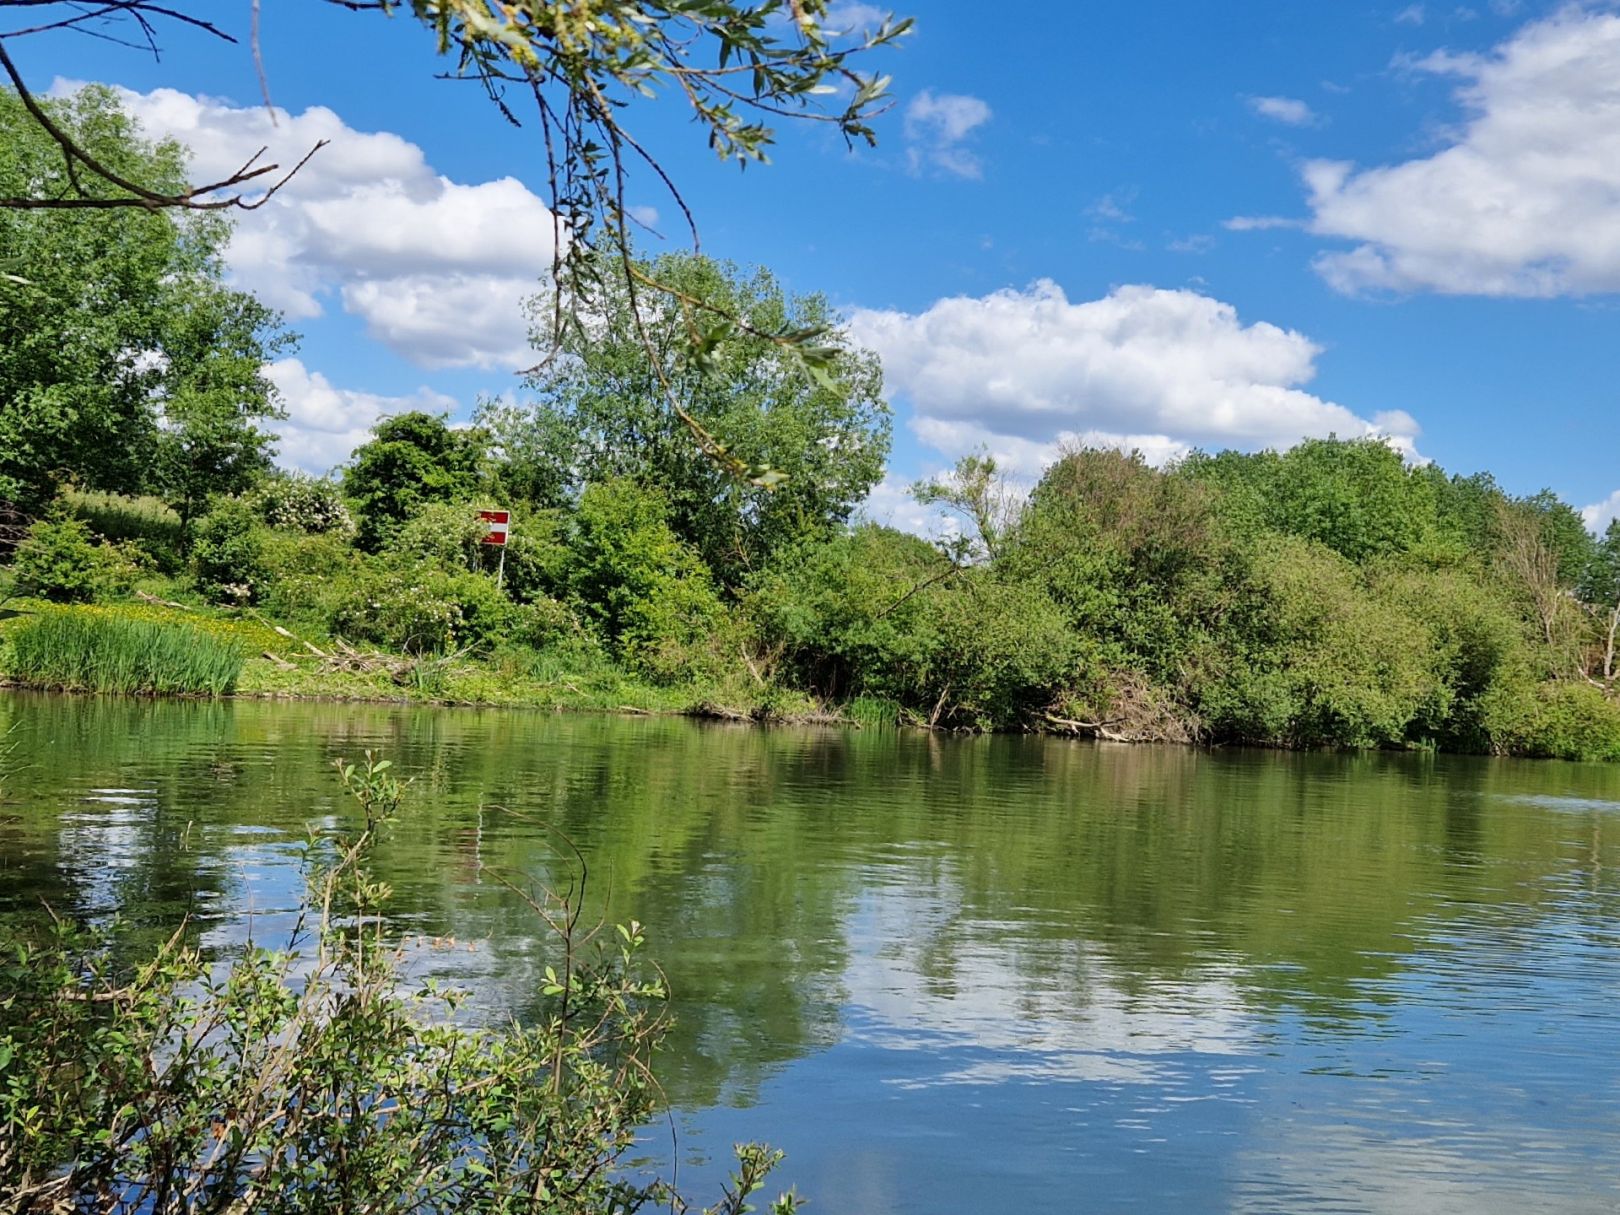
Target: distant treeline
1330, 595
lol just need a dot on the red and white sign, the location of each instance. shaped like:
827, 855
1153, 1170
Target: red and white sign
497, 524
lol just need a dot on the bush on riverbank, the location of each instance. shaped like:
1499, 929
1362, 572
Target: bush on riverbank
60, 561
86, 650
320, 1077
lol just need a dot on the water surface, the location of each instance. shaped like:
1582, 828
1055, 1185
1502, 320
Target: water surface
953, 975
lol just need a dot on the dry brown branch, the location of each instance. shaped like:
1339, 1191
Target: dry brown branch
145, 597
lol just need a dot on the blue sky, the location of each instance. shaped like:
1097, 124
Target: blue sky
1169, 224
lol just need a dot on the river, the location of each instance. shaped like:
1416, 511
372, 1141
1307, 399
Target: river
952, 974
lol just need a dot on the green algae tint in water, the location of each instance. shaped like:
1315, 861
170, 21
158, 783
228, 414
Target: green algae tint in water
951, 975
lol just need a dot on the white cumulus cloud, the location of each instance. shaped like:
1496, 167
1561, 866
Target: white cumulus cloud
324, 424
1524, 198
436, 269
1021, 372
939, 128
1290, 111
1599, 515
853, 18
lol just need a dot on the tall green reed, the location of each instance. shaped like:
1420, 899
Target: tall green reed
89, 651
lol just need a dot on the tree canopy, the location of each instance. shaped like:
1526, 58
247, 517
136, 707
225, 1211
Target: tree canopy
412, 459
125, 362
599, 412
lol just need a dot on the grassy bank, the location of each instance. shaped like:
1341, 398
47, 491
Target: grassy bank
174, 649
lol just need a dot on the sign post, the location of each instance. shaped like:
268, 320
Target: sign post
497, 527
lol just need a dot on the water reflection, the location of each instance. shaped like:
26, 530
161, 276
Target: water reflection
953, 975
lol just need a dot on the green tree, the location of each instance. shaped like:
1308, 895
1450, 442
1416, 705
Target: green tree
847, 618
601, 410
1313, 656
978, 491
1600, 587
1356, 496
412, 459
638, 582
1564, 533
124, 364
210, 438
738, 65
1133, 555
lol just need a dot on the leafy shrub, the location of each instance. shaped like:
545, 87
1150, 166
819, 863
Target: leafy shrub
228, 553
1315, 656
538, 556
58, 560
307, 575
1475, 642
447, 535
650, 593
1552, 720
94, 651
296, 503
848, 617
1001, 653
424, 611
539, 623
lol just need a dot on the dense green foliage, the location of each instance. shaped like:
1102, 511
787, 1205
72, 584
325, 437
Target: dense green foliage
125, 364
413, 460
303, 504
59, 561
89, 651
1265, 599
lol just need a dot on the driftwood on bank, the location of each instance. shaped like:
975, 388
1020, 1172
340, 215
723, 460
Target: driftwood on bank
144, 597
1088, 729
342, 658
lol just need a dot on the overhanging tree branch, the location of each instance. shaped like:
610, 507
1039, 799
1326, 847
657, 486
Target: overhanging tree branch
80, 164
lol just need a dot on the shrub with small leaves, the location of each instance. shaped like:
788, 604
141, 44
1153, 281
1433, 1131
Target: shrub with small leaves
540, 623
309, 574
424, 611
60, 561
538, 556
447, 535
227, 553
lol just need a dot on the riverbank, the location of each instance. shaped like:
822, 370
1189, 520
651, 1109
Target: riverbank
281, 664
112, 647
